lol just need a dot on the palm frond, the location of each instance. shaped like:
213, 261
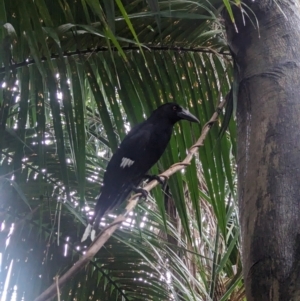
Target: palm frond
75, 77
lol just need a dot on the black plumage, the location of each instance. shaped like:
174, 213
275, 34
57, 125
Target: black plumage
138, 152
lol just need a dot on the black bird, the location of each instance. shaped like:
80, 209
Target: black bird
138, 152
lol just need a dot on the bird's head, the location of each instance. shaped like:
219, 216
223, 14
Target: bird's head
174, 112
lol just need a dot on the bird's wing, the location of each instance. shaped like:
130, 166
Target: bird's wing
134, 145
125, 169
127, 165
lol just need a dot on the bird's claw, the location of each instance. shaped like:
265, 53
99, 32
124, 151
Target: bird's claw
143, 192
164, 181
157, 178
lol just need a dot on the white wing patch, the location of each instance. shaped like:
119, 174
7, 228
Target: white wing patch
126, 162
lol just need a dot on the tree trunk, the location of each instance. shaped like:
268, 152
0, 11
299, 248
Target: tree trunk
268, 115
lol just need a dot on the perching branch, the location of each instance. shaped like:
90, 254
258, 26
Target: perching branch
102, 238
125, 48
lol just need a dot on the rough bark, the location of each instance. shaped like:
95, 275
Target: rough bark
268, 115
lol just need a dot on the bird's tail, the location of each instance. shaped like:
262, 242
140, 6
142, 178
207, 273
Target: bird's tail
87, 232
90, 228
105, 203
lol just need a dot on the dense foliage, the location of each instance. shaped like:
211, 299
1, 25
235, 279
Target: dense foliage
76, 76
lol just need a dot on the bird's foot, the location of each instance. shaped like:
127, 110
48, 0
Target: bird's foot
157, 178
143, 192
164, 181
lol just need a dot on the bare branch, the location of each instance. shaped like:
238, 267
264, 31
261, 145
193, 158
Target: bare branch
102, 238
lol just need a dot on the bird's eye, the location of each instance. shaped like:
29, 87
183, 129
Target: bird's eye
175, 108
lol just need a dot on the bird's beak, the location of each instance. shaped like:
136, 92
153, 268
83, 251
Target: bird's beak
185, 114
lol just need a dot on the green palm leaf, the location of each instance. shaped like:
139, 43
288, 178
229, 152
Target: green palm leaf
75, 77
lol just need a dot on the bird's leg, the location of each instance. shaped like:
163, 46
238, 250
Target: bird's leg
157, 178
143, 192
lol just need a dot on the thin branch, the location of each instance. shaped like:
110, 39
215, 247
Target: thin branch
102, 238
57, 287
125, 48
